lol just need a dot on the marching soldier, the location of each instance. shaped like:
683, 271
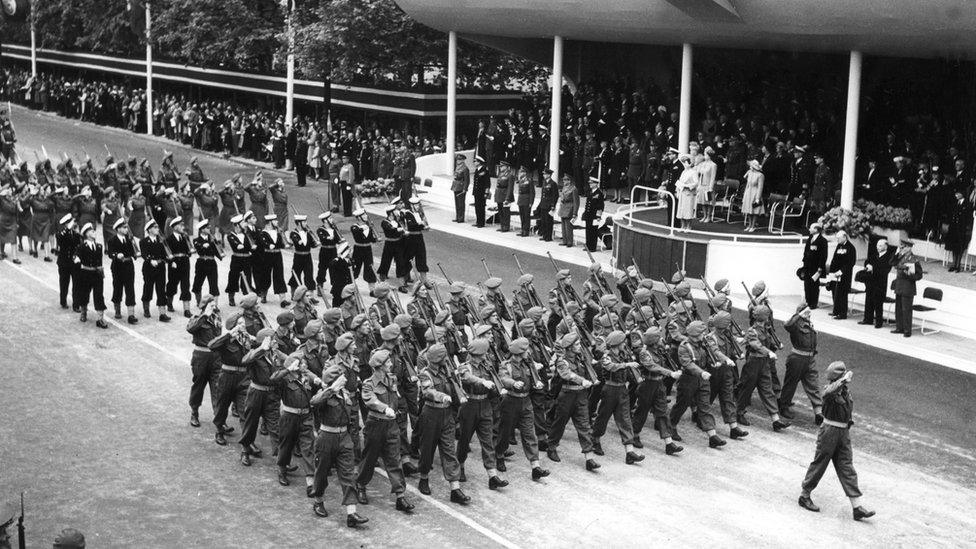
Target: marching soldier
295, 429
362, 256
178, 247
302, 242
233, 383
440, 388
697, 355
519, 376
241, 248
68, 241
380, 396
304, 312
416, 248
262, 400
154, 259
273, 274
394, 242
801, 364
285, 335
493, 296
614, 399
313, 351
404, 367
208, 253
349, 305
205, 326
724, 377
345, 355
91, 277
541, 401
329, 239
651, 393
477, 414
122, 251
572, 402
756, 370
384, 309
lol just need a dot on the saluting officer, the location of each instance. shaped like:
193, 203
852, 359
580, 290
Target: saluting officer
205, 268
329, 239
362, 255
68, 241
205, 326
241, 248
232, 385
262, 401
801, 364
273, 275
91, 277
154, 258
295, 429
122, 251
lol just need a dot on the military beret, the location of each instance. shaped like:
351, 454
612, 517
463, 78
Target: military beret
441, 317
722, 285
249, 301
205, 299
381, 289
493, 283
232, 320
651, 335
563, 274
299, 293
526, 324
646, 312
390, 332
434, 333
436, 352
572, 308
761, 312
403, 320
265, 333
332, 373
379, 358
349, 290
646, 283
695, 328
69, 538
609, 300
682, 289
357, 321
615, 338
344, 341
518, 346
525, 279
290, 360
535, 313
758, 288
718, 300
478, 347
332, 315
835, 370
620, 277
313, 328
416, 287
286, 318
567, 340
801, 307
677, 277
487, 311
481, 329
607, 321
456, 288
595, 267
721, 320
642, 293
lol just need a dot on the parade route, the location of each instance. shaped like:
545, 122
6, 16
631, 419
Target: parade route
103, 444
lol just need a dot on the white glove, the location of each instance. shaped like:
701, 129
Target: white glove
772, 355
587, 383
519, 385
705, 376
487, 384
390, 413
676, 374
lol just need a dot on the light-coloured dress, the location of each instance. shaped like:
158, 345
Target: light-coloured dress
753, 193
687, 189
708, 171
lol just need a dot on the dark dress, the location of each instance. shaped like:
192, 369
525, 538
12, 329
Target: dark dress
42, 219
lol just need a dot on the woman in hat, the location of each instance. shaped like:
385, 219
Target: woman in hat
208, 204
9, 211
279, 201
85, 208
752, 205
228, 209
708, 170
687, 188
137, 207
42, 207
111, 212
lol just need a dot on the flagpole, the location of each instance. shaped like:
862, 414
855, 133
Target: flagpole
33, 38
149, 72
290, 78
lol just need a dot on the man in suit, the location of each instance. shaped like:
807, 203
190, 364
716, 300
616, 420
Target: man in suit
841, 270
908, 271
877, 268
459, 187
814, 264
592, 211
873, 184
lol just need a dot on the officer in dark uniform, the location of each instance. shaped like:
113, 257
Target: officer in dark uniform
524, 200
416, 248
122, 251
481, 188
241, 249
302, 241
504, 189
205, 326
394, 241
592, 211
340, 274
548, 197
91, 277
273, 268
362, 256
68, 240
329, 239
295, 429
153, 270
205, 267
814, 264
178, 274
233, 383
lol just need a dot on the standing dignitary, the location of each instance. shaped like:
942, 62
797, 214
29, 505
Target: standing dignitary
876, 269
572, 402
67, 241
525, 188
834, 442
568, 207
302, 241
462, 180
814, 264
241, 248
592, 211
204, 327
908, 271
154, 258
842, 271
121, 250
503, 196
548, 196
91, 277
205, 268
481, 188
178, 274
347, 182
801, 364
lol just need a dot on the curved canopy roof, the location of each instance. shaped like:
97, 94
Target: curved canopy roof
908, 28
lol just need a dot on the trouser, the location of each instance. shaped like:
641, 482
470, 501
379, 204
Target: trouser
800, 369
408, 409
614, 401
205, 368
567, 237
274, 273
346, 200
205, 270
516, 412
693, 392
232, 387
392, 251
651, 397
722, 385
123, 281
301, 172
362, 260
479, 208
591, 234
833, 445
326, 255
257, 405
436, 426
504, 216
874, 304
459, 206
774, 378
541, 404
178, 275
91, 287
302, 272
296, 430
382, 440
839, 295
903, 313
545, 225
417, 252
476, 415
571, 404
811, 292
525, 220
335, 450
65, 273
755, 373
240, 268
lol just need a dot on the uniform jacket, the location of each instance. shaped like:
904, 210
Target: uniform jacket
380, 392
815, 255
504, 188
594, 205
905, 281
802, 335
568, 202
845, 256
462, 179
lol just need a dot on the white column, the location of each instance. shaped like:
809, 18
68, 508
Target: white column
33, 46
684, 115
557, 105
290, 77
449, 146
850, 131
149, 73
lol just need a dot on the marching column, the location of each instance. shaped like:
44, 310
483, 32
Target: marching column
557, 105
684, 116
451, 101
850, 130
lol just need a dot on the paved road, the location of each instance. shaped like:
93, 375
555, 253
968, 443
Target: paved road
102, 432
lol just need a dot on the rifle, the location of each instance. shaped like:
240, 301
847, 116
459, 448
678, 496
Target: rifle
485, 264
570, 291
587, 342
620, 324
677, 300
658, 310
533, 296
769, 321
600, 281
452, 375
736, 330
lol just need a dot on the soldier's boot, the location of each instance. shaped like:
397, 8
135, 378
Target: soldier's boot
245, 459
132, 316
353, 520
194, 417
118, 311
457, 496
163, 317
672, 449
169, 305
145, 309
402, 504
186, 309
424, 486
84, 315
197, 295
230, 299
101, 320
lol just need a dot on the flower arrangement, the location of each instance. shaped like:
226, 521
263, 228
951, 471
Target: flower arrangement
376, 188
855, 223
887, 217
